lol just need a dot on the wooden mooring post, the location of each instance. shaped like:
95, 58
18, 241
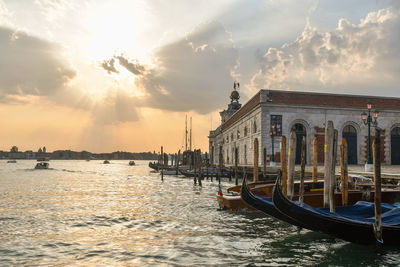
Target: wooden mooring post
200, 167
162, 163
328, 153
177, 162
265, 162
236, 167
303, 168
195, 173
256, 153
378, 194
292, 159
284, 165
344, 175
315, 161
332, 186
207, 166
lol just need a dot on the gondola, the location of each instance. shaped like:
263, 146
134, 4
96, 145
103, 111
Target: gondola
155, 166
264, 204
352, 223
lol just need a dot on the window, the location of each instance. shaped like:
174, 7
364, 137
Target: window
254, 127
245, 131
238, 134
232, 136
227, 139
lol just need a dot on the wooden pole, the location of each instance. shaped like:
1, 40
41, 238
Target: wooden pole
220, 166
315, 161
207, 167
200, 177
177, 162
291, 167
265, 162
344, 175
236, 167
378, 197
328, 153
303, 168
255, 170
284, 164
212, 162
162, 155
332, 186
195, 163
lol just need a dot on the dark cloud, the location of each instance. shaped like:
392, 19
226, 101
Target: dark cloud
194, 73
30, 65
132, 66
109, 66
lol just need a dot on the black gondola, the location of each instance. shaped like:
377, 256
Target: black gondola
351, 223
264, 204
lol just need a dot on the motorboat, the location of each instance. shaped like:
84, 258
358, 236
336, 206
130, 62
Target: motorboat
42, 165
132, 163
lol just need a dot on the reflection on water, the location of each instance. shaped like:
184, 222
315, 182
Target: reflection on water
91, 213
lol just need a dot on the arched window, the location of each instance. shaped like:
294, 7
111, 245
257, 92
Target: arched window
349, 129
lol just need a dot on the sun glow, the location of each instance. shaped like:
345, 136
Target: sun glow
111, 29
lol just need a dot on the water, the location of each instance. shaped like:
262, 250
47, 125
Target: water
89, 213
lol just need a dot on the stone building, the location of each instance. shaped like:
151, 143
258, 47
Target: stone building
306, 113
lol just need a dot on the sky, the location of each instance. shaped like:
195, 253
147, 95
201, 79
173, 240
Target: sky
103, 76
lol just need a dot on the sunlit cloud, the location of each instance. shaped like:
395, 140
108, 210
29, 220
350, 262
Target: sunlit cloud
357, 58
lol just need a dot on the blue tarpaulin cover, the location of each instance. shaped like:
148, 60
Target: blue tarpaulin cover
361, 212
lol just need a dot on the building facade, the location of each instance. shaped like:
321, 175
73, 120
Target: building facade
306, 113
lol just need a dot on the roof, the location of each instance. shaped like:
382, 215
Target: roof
312, 99
331, 100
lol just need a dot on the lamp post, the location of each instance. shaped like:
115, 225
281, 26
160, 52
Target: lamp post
367, 119
272, 133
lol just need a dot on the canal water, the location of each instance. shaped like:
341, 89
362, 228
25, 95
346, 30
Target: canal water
94, 214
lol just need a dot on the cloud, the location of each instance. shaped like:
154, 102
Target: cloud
31, 66
109, 66
361, 58
133, 67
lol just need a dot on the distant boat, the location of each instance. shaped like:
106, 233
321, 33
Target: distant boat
42, 165
12, 161
106, 162
88, 160
132, 163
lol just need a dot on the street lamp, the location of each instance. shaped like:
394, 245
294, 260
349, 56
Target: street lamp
272, 133
367, 119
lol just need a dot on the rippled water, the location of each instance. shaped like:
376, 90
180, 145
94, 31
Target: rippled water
89, 213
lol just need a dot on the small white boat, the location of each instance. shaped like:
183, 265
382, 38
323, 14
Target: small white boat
132, 163
42, 165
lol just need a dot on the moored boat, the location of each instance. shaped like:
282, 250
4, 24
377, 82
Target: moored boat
132, 163
106, 162
352, 223
11, 161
